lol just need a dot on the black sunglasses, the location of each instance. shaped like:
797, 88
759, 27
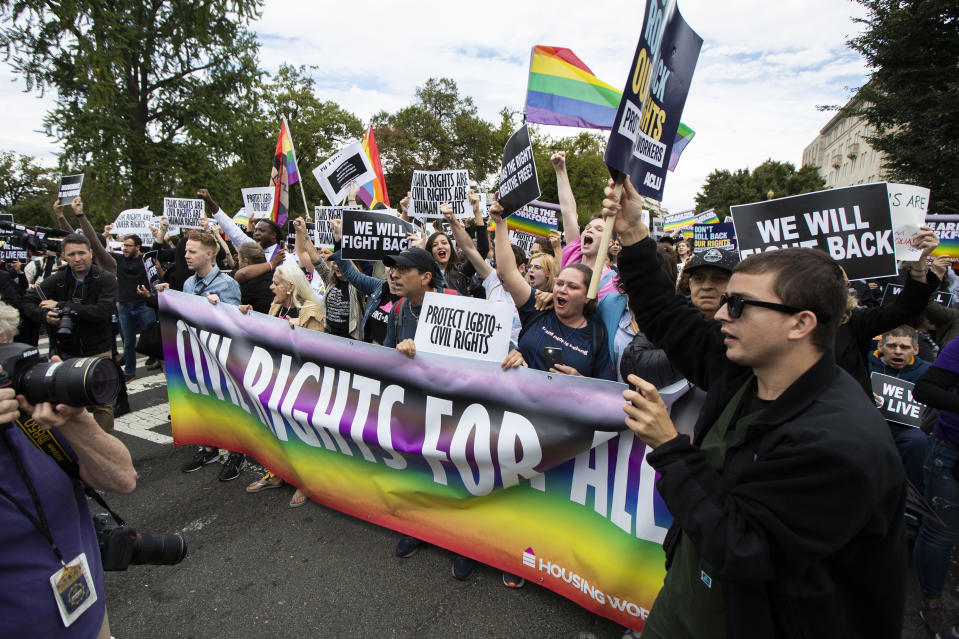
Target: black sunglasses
735, 305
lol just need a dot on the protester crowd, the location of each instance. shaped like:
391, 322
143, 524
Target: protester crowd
787, 490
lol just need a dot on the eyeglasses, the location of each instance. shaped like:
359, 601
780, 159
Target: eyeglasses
735, 305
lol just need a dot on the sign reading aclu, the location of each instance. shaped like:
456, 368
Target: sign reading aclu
464, 327
851, 224
372, 235
898, 404
431, 189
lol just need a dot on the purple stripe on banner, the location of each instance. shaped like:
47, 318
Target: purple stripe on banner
365, 194
561, 110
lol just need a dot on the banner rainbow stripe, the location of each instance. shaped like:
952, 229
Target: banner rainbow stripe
536, 218
284, 148
563, 91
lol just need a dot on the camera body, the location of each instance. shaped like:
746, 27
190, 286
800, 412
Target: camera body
79, 381
121, 546
68, 321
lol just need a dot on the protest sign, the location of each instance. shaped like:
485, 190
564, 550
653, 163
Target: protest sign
851, 224
908, 206
322, 216
149, 265
11, 253
430, 189
528, 472
6, 217
536, 219
892, 290
69, 188
898, 404
946, 228
721, 236
349, 164
464, 327
135, 222
372, 235
673, 223
644, 131
523, 240
258, 202
658, 229
183, 212
518, 182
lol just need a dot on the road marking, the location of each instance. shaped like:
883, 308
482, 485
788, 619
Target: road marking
140, 423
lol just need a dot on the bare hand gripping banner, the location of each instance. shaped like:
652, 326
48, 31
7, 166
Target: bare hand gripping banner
525, 471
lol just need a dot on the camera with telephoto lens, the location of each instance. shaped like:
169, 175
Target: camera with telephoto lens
121, 546
78, 381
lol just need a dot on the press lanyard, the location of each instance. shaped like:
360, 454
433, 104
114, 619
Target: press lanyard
42, 526
199, 291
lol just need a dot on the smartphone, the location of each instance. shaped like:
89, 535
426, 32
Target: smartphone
552, 356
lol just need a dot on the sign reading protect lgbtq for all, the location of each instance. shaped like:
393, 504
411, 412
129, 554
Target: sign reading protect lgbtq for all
851, 224
464, 327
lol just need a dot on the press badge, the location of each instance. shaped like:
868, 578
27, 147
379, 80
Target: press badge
73, 589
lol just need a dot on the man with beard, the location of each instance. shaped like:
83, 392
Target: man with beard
135, 314
266, 232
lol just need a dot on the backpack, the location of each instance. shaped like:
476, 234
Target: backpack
396, 313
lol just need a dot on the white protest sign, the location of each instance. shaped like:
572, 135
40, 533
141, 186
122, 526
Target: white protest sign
464, 327
430, 189
523, 240
350, 164
183, 212
908, 206
258, 201
135, 222
322, 216
69, 188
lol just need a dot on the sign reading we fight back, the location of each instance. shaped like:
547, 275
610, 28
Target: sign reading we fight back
852, 224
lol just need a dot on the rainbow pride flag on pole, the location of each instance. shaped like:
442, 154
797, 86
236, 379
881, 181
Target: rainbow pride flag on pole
375, 190
284, 175
563, 91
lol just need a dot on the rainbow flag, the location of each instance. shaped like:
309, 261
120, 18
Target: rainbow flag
375, 190
684, 136
536, 218
284, 175
242, 218
563, 91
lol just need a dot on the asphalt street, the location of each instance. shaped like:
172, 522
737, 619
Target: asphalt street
258, 568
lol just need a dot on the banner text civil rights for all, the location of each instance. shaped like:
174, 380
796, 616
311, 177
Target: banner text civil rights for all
525, 471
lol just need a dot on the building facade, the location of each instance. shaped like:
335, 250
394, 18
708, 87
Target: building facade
842, 154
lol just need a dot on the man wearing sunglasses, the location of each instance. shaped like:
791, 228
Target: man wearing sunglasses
788, 502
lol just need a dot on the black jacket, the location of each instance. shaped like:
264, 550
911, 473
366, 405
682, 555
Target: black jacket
93, 332
804, 524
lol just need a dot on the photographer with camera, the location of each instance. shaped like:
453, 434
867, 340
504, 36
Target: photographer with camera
49, 551
78, 303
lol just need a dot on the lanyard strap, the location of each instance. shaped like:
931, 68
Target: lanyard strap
42, 526
205, 284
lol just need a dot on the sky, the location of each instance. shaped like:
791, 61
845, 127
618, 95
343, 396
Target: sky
763, 70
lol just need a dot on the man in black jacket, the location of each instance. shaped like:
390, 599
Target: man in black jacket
87, 295
788, 504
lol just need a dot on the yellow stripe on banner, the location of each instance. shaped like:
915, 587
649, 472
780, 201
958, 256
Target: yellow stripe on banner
554, 66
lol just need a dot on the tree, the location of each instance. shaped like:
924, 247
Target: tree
440, 130
149, 90
584, 164
911, 97
27, 190
771, 179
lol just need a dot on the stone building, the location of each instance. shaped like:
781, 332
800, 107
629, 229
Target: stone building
842, 154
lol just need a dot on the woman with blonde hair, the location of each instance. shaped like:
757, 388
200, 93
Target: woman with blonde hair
294, 301
541, 272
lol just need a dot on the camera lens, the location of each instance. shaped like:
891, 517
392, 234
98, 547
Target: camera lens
158, 550
84, 381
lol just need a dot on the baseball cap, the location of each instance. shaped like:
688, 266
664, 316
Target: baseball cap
717, 258
416, 258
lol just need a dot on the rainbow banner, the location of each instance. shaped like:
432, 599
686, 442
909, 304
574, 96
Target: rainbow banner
946, 228
536, 218
375, 190
563, 91
684, 135
525, 471
680, 220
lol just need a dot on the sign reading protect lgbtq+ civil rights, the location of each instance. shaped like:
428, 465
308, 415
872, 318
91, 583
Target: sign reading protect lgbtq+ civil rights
464, 327
851, 224
641, 140
350, 164
528, 472
372, 235
182, 212
898, 404
258, 201
431, 189
518, 182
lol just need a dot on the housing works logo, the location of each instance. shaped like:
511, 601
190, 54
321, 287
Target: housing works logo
580, 583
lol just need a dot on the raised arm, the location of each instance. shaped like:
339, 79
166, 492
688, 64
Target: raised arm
506, 268
465, 244
100, 254
567, 203
255, 270
363, 282
234, 232
61, 218
305, 251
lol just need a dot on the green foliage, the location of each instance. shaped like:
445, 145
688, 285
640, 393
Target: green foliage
771, 179
912, 96
27, 190
587, 172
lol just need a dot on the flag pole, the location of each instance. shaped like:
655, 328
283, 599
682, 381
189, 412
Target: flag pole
306, 209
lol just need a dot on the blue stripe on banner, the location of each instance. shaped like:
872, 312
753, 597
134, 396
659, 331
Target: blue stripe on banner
599, 115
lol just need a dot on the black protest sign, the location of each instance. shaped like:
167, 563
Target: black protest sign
898, 404
11, 253
291, 233
6, 217
430, 189
641, 140
518, 182
69, 188
893, 290
372, 235
851, 224
707, 236
149, 265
